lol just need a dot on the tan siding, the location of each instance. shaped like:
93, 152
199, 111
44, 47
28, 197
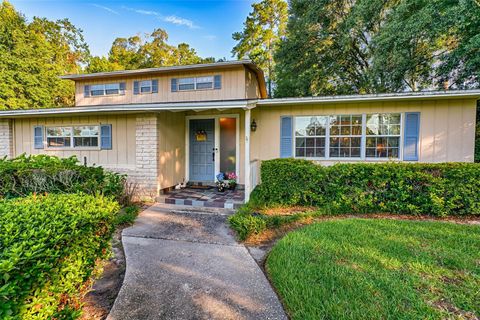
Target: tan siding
233, 87
251, 84
121, 156
447, 128
171, 147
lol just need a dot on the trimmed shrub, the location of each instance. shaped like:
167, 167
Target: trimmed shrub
404, 188
45, 174
48, 249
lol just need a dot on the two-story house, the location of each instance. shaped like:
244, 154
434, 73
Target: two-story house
164, 126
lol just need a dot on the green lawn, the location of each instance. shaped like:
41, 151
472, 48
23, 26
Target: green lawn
379, 269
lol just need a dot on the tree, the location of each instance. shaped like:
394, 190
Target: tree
149, 51
355, 46
262, 31
33, 55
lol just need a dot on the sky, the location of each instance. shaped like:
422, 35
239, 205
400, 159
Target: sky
206, 25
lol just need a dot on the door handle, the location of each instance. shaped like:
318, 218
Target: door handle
213, 156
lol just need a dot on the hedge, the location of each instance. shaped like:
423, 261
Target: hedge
48, 249
46, 174
404, 188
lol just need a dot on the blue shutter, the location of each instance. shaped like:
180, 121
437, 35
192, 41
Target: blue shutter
38, 137
154, 86
122, 87
217, 80
86, 91
106, 136
412, 130
136, 87
286, 140
174, 85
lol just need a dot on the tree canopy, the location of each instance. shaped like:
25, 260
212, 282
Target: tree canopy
149, 51
360, 46
33, 55
262, 31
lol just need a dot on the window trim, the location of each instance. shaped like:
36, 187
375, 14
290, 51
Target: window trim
195, 82
362, 142
105, 94
72, 136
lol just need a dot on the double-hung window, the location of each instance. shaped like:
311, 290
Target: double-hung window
106, 89
76, 136
383, 135
198, 83
354, 136
145, 86
310, 135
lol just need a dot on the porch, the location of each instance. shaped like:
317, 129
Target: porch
204, 196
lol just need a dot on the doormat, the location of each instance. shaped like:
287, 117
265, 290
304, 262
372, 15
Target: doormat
200, 187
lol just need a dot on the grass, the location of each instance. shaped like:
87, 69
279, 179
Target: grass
378, 269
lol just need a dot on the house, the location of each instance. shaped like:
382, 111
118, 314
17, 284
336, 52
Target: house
164, 126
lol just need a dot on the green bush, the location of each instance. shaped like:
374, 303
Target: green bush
48, 248
45, 174
404, 188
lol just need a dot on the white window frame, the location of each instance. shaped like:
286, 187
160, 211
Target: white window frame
145, 84
314, 137
195, 82
104, 89
399, 136
72, 136
363, 139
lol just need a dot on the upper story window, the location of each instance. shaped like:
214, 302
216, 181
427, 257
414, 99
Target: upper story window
106, 89
348, 136
196, 83
145, 86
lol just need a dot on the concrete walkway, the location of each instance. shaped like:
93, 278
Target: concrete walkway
187, 265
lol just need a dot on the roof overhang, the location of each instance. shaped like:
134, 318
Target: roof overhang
131, 108
425, 95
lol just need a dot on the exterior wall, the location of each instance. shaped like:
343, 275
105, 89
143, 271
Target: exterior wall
447, 127
251, 84
233, 87
6, 138
171, 147
122, 156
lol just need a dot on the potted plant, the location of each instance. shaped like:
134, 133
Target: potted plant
231, 177
221, 183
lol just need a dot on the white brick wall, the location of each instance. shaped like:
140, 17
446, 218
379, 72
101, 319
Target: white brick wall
146, 166
6, 138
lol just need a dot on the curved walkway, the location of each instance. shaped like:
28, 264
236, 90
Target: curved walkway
187, 265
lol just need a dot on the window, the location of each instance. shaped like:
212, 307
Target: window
85, 136
345, 136
356, 136
145, 86
106, 89
186, 84
310, 135
383, 135
199, 83
59, 137
77, 136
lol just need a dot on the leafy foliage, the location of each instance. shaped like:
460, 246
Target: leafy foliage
45, 174
403, 188
262, 31
49, 245
151, 51
33, 55
344, 47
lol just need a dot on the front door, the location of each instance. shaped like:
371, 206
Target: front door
202, 150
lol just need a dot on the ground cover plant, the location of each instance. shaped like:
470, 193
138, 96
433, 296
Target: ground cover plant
49, 245
378, 269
